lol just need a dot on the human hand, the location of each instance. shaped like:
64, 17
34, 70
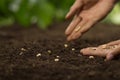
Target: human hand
86, 13
109, 50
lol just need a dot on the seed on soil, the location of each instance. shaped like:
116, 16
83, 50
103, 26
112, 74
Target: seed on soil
73, 49
57, 56
23, 49
39, 54
91, 57
49, 51
21, 53
65, 45
56, 60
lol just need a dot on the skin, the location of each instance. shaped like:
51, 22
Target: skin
86, 13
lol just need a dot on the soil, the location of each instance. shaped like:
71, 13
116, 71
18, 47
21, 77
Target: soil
19, 48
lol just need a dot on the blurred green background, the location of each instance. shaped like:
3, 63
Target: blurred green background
41, 12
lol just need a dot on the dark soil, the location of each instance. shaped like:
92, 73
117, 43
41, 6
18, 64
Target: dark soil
17, 64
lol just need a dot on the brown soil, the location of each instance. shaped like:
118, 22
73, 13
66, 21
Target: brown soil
17, 64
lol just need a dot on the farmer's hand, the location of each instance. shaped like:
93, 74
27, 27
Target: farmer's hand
86, 13
109, 50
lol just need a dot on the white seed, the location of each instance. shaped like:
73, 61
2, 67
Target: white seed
21, 53
39, 54
56, 60
49, 51
23, 49
78, 28
73, 49
57, 56
65, 45
104, 46
114, 46
91, 57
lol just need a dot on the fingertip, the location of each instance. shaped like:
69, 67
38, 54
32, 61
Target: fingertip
67, 33
76, 36
109, 57
67, 16
81, 51
68, 38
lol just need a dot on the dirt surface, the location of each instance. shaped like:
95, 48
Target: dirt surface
19, 60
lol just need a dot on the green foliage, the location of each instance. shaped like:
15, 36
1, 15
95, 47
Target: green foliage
40, 12
27, 12
114, 16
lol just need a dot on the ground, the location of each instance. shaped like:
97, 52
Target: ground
19, 48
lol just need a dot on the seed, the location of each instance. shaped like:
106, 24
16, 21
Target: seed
77, 29
91, 57
39, 54
114, 46
21, 53
49, 51
104, 46
65, 45
23, 49
57, 56
73, 49
56, 60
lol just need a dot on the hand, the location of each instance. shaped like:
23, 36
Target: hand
109, 50
86, 13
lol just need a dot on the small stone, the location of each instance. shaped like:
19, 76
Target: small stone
56, 60
91, 57
65, 45
23, 49
79, 55
73, 49
39, 54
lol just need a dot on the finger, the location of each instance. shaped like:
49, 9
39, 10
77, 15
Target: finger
114, 43
86, 26
73, 24
76, 28
94, 51
113, 53
76, 7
